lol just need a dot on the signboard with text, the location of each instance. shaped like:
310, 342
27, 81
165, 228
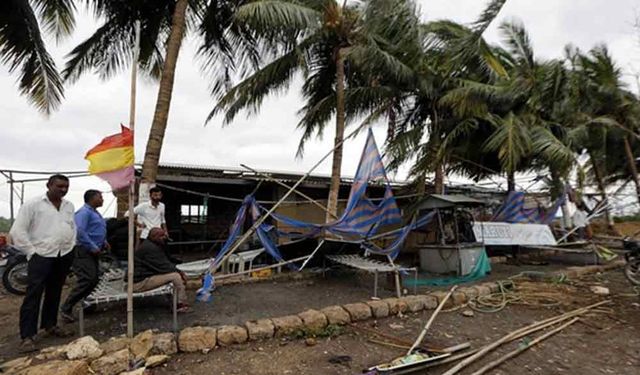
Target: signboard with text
496, 233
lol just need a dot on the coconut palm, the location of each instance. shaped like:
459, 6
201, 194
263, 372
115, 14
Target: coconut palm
518, 108
606, 116
416, 119
23, 49
331, 45
164, 24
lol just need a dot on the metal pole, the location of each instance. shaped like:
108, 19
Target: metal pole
11, 195
132, 187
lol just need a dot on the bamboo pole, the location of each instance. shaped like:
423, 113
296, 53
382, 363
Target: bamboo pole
261, 220
311, 256
303, 195
520, 333
132, 186
521, 349
431, 319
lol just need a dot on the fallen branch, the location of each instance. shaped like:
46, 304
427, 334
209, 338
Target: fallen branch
406, 344
520, 333
521, 349
431, 319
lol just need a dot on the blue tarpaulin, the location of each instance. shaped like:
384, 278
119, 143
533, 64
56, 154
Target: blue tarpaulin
513, 210
362, 217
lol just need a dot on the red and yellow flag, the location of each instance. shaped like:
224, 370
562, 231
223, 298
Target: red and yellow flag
112, 159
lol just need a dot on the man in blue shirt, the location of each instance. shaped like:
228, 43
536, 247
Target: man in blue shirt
91, 241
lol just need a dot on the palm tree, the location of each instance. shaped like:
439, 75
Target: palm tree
606, 116
331, 45
417, 119
22, 46
164, 24
522, 131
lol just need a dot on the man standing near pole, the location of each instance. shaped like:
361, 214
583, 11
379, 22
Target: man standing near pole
151, 214
45, 231
91, 241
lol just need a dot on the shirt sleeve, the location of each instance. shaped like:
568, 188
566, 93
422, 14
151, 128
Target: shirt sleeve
20, 230
138, 209
82, 222
162, 220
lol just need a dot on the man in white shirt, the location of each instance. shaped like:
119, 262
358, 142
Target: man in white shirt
151, 214
45, 231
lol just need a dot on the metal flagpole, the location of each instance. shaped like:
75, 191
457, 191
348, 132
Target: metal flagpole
132, 187
11, 195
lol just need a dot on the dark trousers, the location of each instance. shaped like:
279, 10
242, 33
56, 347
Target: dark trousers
45, 275
85, 267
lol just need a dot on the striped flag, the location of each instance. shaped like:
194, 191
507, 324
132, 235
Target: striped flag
112, 159
362, 215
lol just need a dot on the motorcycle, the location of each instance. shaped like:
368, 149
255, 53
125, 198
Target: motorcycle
632, 258
14, 277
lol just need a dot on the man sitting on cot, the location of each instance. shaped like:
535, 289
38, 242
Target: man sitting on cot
152, 268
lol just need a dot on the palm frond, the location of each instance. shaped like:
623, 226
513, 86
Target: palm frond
250, 93
107, 52
551, 149
57, 16
265, 16
518, 42
487, 16
22, 48
510, 140
374, 59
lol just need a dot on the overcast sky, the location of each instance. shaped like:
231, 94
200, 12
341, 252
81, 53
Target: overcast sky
93, 108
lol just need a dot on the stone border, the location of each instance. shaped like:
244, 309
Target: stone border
151, 349
314, 320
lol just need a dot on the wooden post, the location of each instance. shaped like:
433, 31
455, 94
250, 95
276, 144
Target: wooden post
132, 187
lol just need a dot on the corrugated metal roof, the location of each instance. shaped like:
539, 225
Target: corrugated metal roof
218, 172
214, 173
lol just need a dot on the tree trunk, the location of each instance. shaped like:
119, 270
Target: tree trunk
439, 179
511, 181
337, 153
421, 185
434, 139
601, 186
632, 165
165, 90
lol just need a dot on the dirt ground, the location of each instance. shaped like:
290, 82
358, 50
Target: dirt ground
606, 343
232, 304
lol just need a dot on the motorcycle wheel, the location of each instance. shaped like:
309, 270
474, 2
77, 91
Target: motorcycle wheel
14, 278
632, 270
